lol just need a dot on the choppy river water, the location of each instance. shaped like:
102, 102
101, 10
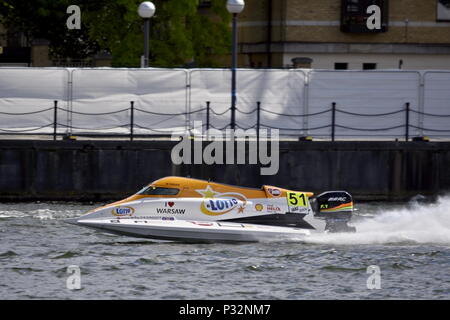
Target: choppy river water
410, 244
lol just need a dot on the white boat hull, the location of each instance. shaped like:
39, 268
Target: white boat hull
192, 231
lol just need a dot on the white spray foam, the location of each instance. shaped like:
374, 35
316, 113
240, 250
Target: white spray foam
416, 223
41, 214
11, 214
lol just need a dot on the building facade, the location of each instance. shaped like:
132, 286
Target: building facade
332, 34
320, 34
14, 48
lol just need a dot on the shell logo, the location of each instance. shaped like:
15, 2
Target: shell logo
259, 207
122, 211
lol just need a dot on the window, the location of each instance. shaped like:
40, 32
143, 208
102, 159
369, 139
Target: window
443, 10
369, 66
353, 6
341, 66
354, 15
157, 191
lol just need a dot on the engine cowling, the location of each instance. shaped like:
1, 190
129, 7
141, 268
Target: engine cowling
336, 208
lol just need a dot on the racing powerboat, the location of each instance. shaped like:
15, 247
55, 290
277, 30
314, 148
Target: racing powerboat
193, 210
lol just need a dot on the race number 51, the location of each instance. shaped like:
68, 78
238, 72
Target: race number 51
297, 199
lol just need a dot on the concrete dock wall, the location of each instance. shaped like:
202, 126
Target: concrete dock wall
108, 170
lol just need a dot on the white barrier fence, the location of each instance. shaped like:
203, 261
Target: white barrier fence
160, 100
27, 95
318, 103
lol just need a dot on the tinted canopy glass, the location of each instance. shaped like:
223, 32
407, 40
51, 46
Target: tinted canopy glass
158, 191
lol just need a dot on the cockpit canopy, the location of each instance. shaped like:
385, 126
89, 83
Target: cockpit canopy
158, 191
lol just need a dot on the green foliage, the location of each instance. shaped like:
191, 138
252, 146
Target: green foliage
178, 33
47, 19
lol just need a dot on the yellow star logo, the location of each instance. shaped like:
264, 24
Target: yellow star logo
241, 209
208, 192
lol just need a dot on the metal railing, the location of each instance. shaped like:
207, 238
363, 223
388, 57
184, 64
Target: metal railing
333, 120
332, 112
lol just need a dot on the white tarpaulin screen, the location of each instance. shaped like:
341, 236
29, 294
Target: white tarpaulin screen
372, 101
281, 93
436, 117
27, 98
103, 97
368, 104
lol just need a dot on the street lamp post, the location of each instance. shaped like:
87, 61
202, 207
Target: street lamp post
234, 7
146, 10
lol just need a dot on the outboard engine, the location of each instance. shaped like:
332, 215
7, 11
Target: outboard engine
336, 208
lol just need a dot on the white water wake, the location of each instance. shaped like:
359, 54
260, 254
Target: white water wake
413, 224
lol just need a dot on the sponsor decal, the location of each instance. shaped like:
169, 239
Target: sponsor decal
342, 199
273, 208
298, 209
216, 203
343, 207
122, 211
274, 192
259, 207
170, 211
203, 224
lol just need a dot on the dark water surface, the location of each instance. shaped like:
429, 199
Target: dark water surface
410, 243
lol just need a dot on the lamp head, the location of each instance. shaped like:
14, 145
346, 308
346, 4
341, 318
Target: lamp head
235, 6
146, 9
